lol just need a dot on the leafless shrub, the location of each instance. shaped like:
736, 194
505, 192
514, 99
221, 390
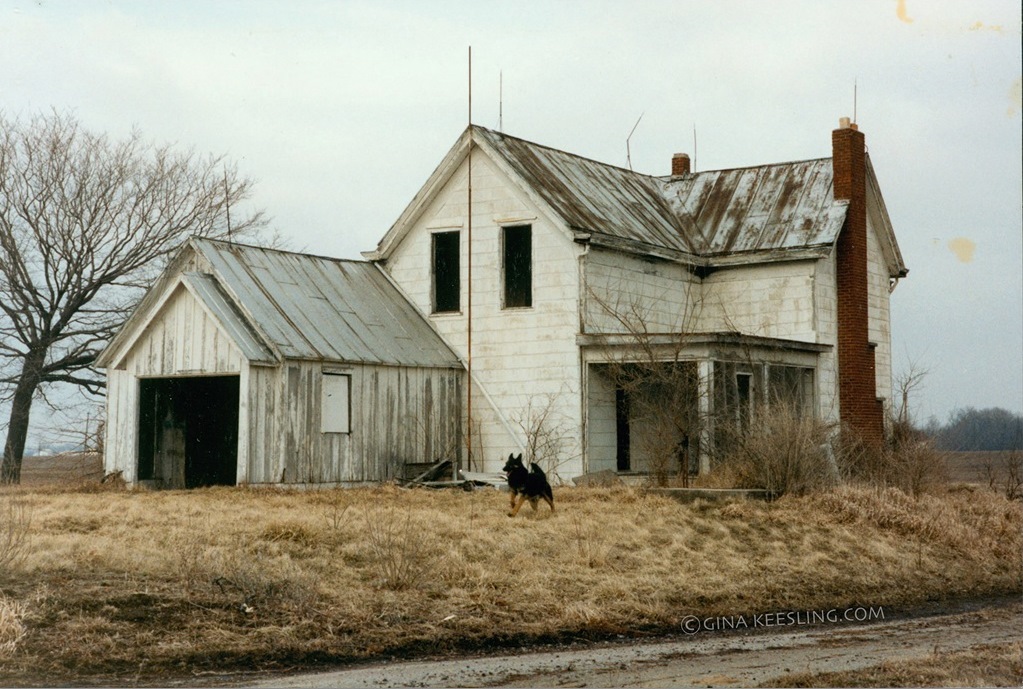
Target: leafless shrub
1005, 474
907, 461
400, 552
545, 434
337, 513
15, 520
782, 451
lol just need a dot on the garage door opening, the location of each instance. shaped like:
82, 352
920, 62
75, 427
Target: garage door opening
188, 431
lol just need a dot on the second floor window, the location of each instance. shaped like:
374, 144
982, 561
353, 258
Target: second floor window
447, 286
518, 266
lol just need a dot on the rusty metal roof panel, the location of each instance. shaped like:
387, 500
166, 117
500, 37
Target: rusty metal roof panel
760, 209
313, 307
592, 196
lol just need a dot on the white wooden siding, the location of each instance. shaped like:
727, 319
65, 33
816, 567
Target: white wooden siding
879, 315
826, 326
520, 356
624, 293
767, 300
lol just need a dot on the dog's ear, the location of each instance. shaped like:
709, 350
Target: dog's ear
519, 457
511, 457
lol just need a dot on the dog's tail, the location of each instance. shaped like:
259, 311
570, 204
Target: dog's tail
535, 469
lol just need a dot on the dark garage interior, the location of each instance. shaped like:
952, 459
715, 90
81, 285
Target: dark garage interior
188, 431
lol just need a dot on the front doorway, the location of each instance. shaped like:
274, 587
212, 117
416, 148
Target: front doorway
188, 431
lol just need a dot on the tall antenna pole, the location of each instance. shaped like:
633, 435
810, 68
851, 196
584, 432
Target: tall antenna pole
854, 100
694, 147
500, 101
468, 320
227, 203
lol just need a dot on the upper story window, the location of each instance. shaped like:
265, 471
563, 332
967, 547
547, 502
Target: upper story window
447, 286
517, 247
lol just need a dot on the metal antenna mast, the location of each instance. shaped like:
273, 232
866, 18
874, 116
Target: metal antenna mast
628, 151
468, 320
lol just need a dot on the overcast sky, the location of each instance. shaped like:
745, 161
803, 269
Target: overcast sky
341, 110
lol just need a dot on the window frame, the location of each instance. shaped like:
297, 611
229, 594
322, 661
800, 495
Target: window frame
519, 295
344, 418
452, 295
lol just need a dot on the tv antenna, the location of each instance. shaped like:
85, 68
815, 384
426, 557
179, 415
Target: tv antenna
500, 101
628, 151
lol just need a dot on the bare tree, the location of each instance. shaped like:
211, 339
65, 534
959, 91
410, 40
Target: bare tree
86, 223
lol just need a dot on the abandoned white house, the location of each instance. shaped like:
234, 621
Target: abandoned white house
567, 276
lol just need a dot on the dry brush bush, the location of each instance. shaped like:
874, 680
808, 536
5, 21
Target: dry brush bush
782, 451
401, 554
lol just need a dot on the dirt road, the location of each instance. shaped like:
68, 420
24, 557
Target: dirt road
765, 648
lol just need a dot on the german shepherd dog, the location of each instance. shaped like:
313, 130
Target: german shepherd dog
526, 484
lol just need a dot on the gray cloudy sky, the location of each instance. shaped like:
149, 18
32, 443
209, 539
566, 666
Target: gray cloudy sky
341, 110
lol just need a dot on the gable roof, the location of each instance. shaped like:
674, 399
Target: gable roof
298, 306
762, 213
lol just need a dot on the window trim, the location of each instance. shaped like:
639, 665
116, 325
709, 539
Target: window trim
345, 427
434, 308
505, 229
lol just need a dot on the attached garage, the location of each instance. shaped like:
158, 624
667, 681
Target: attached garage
247, 366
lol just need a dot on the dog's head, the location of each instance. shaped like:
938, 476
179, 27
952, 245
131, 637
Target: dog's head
513, 463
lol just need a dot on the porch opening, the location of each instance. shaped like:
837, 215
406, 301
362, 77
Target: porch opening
188, 431
644, 418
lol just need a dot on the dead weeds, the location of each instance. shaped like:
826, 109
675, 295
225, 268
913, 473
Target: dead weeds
125, 587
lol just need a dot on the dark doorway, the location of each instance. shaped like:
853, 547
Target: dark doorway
188, 431
624, 435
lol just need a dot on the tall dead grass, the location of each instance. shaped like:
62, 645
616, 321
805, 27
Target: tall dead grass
15, 520
123, 584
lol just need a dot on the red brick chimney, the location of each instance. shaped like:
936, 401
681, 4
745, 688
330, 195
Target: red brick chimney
859, 407
680, 164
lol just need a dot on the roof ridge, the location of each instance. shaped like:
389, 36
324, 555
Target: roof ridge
276, 250
563, 152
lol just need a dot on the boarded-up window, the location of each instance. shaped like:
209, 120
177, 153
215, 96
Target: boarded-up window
518, 266
446, 277
336, 404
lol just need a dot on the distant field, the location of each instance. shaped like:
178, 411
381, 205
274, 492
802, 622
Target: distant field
65, 468
974, 467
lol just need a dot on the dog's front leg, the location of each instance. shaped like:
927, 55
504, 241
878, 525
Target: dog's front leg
517, 506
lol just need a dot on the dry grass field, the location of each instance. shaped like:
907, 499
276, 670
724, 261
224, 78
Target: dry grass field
107, 586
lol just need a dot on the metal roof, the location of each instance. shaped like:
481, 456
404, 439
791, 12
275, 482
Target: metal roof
759, 209
311, 307
593, 196
766, 208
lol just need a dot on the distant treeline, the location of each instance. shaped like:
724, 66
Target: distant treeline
978, 430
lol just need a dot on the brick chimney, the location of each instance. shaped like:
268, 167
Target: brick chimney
680, 164
859, 407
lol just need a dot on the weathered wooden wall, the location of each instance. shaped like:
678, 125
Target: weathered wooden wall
398, 415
